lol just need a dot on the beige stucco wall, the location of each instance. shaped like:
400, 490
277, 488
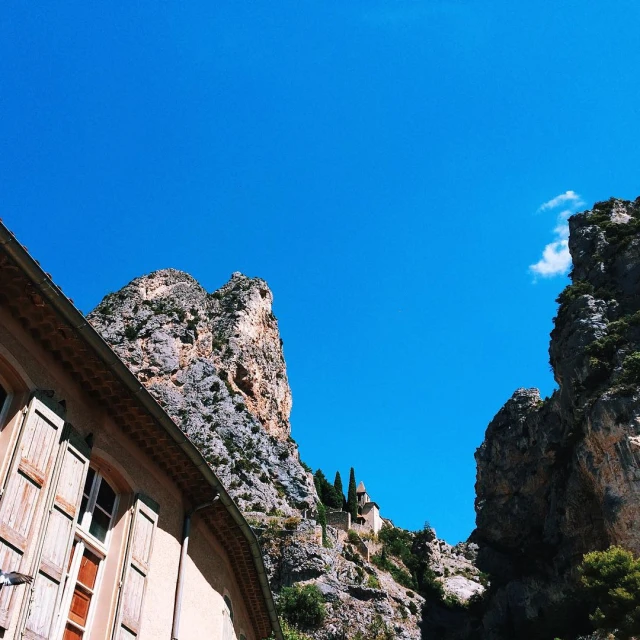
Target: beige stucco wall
372, 517
208, 574
210, 577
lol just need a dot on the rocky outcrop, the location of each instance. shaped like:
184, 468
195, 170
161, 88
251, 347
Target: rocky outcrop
560, 476
355, 591
215, 363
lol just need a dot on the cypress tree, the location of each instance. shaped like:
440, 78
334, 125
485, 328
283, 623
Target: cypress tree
352, 498
326, 491
321, 482
322, 521
337, 485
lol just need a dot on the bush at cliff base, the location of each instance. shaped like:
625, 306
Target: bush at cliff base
291, 633
302, 607
611, 581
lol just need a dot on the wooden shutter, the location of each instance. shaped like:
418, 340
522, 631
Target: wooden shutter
58, 538
20, 507
136, 569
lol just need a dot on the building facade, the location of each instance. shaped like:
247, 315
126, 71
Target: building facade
368, 511
126, 530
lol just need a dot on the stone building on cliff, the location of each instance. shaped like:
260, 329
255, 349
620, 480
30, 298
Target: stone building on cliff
368, 511
125, 528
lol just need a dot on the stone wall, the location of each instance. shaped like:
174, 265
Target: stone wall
339, 519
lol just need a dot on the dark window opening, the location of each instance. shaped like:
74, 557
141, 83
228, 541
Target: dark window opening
227, 601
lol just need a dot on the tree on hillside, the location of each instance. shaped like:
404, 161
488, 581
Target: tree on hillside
302, 606
322, 521
337, 485
326, 491
352, 497
611, 581
320, 480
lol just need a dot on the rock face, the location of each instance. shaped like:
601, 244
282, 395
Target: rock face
561, 476
215, 363
361, 598
345, 579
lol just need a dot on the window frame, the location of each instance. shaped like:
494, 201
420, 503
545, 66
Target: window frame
83, 540
82, 530
228, 618
79, 547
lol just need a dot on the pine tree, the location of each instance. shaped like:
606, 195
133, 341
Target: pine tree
352, 497
337, 485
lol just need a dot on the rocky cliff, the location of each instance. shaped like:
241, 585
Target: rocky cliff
215, 363
560, 476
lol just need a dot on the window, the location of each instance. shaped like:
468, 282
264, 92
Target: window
228, 632
227, 601
90, 548
98, 506
84, 569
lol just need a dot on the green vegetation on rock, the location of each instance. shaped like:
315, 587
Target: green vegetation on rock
376, 630
611, 582
291, 633
326, 491
302, 606
322, 521
631, 368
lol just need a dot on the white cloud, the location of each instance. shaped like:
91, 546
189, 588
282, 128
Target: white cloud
556, 259
562, 231
567, 196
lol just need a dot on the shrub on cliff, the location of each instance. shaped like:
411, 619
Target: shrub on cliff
376, 630
611, 581
429, 586
302, 607
353, 536
399, 575
631, 368
573, 292
373, 582
290, 633
397, 542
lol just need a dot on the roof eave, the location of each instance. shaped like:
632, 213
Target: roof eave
77, 320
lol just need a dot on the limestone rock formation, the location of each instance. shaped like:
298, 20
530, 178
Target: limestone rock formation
360, 596
343, 578
560, 476
215, 363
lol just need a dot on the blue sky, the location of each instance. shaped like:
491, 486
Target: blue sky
383, 165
